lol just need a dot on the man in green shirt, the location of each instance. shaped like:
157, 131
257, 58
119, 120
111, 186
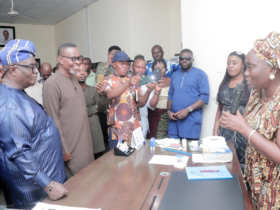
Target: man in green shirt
91, 77
106, 68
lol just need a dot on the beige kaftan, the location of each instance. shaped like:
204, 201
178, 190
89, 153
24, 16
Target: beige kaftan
64, 102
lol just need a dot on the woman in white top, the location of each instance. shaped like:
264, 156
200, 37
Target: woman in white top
158, 118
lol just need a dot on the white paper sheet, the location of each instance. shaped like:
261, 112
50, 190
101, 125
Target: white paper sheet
167, 160
44, 206
198, 158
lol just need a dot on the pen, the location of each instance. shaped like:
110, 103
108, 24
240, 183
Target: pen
209, 171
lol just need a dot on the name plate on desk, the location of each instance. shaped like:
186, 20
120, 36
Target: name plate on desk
137, 138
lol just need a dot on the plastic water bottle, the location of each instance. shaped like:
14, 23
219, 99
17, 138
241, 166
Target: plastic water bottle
152, 143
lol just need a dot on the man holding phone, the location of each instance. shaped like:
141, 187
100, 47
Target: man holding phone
139, 68
189, 91
122, 92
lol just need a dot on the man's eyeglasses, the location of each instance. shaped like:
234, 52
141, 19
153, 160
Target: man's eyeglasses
74, 59
185, 58
33, 67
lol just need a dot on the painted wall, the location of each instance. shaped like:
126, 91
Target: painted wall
213, 29
42, 36
108, 21
133, 25
73, 29
154, 22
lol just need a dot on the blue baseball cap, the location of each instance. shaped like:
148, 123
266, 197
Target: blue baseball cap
121, 56
17, 50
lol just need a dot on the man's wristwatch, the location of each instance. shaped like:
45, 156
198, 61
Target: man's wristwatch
190, 109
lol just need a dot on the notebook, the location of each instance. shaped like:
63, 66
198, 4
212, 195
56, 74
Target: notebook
209, 172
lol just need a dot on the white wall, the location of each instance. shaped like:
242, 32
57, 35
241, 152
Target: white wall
213, 29
42, 36
108, 26
154, 22
73, 29
133, 25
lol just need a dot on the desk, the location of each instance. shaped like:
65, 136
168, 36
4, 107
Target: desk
113, 182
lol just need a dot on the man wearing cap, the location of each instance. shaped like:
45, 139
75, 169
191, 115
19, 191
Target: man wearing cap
124, 97
64, 101
31, 159
157, 53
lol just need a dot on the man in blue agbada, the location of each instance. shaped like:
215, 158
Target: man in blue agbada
188, 92
31, 160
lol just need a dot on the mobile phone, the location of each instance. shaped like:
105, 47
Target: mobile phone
100, 78
146, 80
157, 73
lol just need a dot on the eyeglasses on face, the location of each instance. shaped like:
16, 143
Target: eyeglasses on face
74, 59
33, 67
185, 58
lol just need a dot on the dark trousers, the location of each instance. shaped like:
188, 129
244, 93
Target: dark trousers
103, 122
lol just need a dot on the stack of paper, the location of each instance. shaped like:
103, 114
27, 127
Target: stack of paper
210, 172
167, 160
215, 149
175, 146
217, 154
194, 146
164, 143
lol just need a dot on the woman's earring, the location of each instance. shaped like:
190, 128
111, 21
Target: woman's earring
272, 77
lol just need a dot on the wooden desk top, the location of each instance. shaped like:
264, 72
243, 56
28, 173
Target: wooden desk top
113, 182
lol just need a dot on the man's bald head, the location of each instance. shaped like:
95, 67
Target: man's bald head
157, 52
46, 70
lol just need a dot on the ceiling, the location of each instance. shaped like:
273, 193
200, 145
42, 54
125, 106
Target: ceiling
46, 12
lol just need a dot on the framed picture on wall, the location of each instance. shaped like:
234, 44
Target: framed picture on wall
7, 33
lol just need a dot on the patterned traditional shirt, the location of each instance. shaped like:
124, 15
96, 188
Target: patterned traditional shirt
123, 113
262, 174
30, 148
171, 67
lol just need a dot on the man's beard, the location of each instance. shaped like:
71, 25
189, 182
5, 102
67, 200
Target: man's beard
187, 68
82, 82
72, 72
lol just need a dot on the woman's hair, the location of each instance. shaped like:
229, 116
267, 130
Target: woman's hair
227, 79
158, 61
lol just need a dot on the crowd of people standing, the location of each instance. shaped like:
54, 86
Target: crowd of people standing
52, 120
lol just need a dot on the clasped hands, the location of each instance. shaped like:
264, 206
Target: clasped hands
182, 114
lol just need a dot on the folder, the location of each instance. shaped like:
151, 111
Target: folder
195, 173
181, 194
